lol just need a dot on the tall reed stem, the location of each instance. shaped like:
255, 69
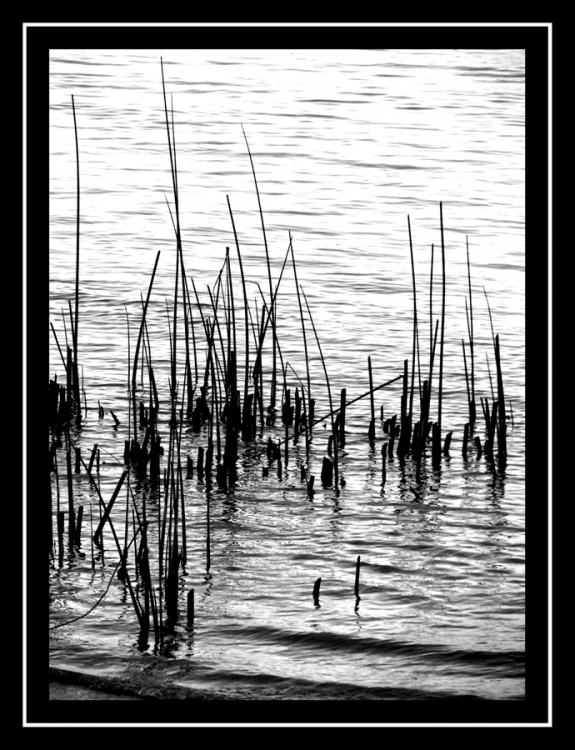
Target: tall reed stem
440, 395
333, 430
77, 296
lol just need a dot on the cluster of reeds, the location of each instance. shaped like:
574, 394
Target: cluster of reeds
64, 401
230, 409
415, 437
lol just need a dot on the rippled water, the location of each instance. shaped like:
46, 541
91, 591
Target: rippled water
346, 146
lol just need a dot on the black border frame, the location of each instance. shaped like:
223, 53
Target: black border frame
535, 40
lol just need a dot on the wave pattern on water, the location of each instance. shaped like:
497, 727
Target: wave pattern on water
346, 144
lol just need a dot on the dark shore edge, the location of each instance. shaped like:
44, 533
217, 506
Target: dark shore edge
61, 680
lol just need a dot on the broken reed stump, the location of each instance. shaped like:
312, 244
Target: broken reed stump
92, 457
435, 446
447, 443
297, 416
465, 440
383, 469
191, 607
71, 515
327, 472
356, 588
60, 524
371, 432
341, 436
310, 490
371, 429
405, 434
478, 446
200, 464
316, 586
78, 529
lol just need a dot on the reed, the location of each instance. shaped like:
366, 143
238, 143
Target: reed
502, 424
371, 431
272, 303
356, 587
77, 289
191, 611
440, 386
472, 410
309, 419
108, 508
332, 412
466, 431
414, 323
246, 432
358, 398
316, 586
139, 341
383, 466
71, 514
405, 434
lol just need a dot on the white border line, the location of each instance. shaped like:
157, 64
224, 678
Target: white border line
549, 26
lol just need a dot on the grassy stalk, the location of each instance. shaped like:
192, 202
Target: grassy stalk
77, 295
414, 322
332, 412
358, 398
309, 416
471, 337
138, 344
272, 310
58, 345
440, 394
246, 322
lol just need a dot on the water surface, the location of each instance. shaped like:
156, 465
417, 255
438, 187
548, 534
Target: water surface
346, 145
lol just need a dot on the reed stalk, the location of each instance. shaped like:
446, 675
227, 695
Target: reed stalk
332, 412
431, 306
71, 514
316, 587
472, 414
502, 425
246, 322
58, 345
108, 508
77, 294
356, 587
414, 323
272, 306
372, 403
357, 398
440, 394
467, 386
138, 343
309, 419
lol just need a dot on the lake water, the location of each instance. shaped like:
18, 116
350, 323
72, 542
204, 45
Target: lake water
346, 145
